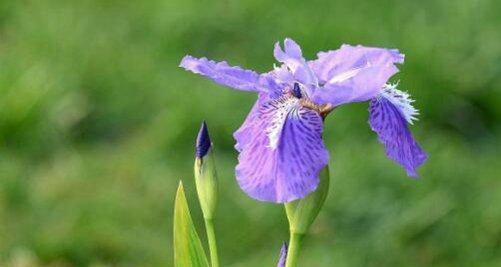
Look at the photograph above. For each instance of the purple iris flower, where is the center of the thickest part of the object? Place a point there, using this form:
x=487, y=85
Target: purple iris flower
x=280, y=142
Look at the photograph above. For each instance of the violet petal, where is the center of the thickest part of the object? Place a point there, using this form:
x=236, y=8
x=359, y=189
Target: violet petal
x=222, y=73
x=353, y=73
x=390, y=124
x=281, y=151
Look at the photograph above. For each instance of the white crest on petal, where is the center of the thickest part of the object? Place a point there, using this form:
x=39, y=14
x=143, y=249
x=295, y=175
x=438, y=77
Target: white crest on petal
x=401, y=100
x=282, y=108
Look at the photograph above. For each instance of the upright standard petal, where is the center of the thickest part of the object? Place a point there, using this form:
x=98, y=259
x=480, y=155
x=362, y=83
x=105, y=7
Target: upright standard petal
x=353, y=73
x=389, y=115
x=292, y=58
x=222, y=73
x=282, y=152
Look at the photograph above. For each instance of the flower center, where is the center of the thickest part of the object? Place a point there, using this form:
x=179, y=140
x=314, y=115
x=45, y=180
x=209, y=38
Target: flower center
x=296, y=91
x=323, y=110
x=305, y=101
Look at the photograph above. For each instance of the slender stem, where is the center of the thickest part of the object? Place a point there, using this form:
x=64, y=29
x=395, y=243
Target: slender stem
x=295, y=243
x=290, y=209
x=211, y=237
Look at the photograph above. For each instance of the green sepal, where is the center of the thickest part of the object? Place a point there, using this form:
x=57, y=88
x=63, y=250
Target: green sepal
x=206, y=183
x=301, y=213
x=188, y=250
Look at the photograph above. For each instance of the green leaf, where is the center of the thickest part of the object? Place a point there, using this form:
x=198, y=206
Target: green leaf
x=188, y=250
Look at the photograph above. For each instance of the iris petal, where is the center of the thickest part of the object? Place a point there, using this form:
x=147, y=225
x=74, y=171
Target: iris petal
x=293, y=59
x=248, y=129
x=281, y=151
x=390, y=124
x=353, y=73
x=222, y=73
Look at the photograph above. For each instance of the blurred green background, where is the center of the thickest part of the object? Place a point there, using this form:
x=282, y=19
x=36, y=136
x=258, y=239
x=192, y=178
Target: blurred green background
x=97, y=126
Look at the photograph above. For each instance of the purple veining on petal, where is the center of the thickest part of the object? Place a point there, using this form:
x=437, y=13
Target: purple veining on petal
x=283, y=255
x=222, y=73
x=353, y=73
x=393, y=132
x=203, y=141
x=290, y=170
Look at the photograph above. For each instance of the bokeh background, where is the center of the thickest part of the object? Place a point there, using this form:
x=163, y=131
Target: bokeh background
x=97, y=126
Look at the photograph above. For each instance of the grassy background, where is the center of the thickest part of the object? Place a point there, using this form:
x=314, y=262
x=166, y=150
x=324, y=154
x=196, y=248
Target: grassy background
x=97, y=125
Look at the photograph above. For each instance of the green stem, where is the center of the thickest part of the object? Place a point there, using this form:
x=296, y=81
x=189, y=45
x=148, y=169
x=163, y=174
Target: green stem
x=295, y=243
x=211, y=237
x=290, y=209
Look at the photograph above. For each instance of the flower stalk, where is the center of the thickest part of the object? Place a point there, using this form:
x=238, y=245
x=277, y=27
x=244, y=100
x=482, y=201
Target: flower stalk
x=211, y=238
x=206, y=184
x=302, y=213
x=295, y=243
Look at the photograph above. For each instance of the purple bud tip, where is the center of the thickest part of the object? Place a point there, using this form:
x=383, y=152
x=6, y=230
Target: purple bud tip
x=203, y=141
x=296, y=91
x=283, y=255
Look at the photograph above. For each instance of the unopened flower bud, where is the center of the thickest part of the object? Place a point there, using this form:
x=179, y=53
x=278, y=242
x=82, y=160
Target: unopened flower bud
x=301, y=213
x=205, y=173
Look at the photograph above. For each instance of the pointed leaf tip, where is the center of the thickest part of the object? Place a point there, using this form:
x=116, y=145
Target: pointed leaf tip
x=188, y=250
x=203, y=141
